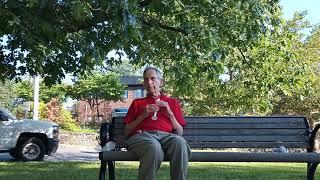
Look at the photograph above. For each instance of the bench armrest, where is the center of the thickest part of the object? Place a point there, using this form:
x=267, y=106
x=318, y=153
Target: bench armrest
x=105, y=134
x=313, y=137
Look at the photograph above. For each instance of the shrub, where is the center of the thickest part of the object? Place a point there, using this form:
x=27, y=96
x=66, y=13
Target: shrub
x=66, y=122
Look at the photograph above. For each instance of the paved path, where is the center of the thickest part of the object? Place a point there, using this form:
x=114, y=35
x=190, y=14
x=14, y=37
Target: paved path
x=66, y=153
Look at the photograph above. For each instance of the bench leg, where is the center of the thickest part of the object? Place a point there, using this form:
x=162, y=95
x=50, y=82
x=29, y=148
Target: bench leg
x=311, y=170
x=111, y=165
x=102, y=172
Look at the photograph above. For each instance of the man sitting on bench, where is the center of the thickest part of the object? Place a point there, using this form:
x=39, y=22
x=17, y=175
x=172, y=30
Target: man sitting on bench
x=150, y=123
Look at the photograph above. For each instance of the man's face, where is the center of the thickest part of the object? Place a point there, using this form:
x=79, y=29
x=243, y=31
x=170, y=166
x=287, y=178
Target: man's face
x=151, y=82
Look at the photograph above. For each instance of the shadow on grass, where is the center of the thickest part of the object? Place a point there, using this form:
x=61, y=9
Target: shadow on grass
x=128, y=171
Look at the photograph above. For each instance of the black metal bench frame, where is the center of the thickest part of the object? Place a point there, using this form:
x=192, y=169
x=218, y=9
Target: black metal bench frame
x=294, y=128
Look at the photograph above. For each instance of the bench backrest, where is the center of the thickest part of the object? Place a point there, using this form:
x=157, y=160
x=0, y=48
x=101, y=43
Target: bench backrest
x=236, y=131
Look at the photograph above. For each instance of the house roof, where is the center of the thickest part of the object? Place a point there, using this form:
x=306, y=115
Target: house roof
x=131, y=80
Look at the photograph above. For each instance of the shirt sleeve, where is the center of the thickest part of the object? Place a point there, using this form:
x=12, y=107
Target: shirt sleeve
x=178, y=113
x=132, y=113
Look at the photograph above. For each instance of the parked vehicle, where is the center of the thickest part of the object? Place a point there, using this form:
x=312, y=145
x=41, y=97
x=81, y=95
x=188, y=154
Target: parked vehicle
x=27, y=139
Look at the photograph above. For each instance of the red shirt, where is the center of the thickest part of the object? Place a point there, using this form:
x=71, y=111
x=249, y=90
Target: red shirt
x=163, y=122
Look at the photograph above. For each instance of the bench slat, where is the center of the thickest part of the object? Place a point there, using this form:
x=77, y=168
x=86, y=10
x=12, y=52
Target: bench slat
x=247, y=144
x=238, y=126
x=188, y=132
x=231, y=139
x=121, y=144
x=236, y=119
x=248, y=119
x=252, y=138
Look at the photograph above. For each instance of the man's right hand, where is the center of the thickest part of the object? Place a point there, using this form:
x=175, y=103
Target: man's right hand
x=150, y=108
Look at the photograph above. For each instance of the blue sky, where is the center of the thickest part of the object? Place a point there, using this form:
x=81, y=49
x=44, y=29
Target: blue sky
x=312, y=6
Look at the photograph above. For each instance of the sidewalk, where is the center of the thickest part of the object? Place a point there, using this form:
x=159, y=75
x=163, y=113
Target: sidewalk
x=74, y=153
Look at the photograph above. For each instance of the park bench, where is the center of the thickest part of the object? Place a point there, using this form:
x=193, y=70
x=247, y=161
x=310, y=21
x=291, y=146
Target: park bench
x=228, y=132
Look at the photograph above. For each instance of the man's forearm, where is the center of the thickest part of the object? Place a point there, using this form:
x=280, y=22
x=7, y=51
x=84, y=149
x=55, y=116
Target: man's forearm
x=132, y=125
x=173, y=119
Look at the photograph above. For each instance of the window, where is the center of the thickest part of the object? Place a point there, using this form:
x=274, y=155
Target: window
x=138, y=93
x=125, y=94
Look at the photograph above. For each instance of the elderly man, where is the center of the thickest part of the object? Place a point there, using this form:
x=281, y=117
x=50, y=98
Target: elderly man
x=154, y=127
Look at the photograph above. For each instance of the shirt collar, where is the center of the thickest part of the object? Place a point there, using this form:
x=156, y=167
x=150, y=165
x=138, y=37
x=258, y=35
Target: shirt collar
x=151, y=96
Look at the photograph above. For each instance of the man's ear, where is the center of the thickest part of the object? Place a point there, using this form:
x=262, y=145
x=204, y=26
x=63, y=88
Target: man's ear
x=161, y=82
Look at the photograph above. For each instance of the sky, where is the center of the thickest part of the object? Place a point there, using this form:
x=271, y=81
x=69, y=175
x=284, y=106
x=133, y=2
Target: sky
x=312, y=6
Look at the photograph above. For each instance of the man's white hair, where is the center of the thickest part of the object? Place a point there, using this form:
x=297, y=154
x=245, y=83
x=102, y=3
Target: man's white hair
x=159, y=73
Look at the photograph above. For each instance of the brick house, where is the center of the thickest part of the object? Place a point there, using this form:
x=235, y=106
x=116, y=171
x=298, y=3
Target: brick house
x=135, y=89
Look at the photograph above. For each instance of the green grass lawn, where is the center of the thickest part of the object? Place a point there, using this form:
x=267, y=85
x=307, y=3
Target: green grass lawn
x=128, y=171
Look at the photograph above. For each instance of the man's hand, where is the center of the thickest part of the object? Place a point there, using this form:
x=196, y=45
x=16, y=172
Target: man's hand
x=150, y=108
x=179, y=130
x=165, y=105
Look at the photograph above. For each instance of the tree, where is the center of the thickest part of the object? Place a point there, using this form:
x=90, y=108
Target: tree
x=47, y=93
x=97, y=89
x=243, y=81
x=7, y=94
x=52, y=38
x=305, y=100
x=125, y=69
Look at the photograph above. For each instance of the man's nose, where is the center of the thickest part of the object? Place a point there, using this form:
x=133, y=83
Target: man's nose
x=149, y=81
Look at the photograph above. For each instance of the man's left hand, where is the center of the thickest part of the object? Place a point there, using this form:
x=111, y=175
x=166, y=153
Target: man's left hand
x=164, y=104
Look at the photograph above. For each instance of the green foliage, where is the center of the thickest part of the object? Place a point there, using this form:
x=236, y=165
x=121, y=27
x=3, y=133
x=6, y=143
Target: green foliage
x=96, y=89
x=54, y=111
x=266, y=66
x=25, y=91
x=75, y=36
x=259, y=80
x=42, y=110
x=57, y=91
x=304, y=100
x=125, y=69
x=7, y=94
x=66, y=122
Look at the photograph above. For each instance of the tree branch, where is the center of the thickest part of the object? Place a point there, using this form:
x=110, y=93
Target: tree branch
x=157, y=24
x=244, y=57
x=145, y=3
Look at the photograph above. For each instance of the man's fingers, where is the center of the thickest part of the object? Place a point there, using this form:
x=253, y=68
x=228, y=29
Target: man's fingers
x=152, y=108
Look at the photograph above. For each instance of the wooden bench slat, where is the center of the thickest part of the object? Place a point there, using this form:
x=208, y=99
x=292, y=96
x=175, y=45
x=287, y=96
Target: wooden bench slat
x=248, y=119
x=233, y=119
x=252, y=138
x=237, y=126
x=239, y=121
x=237, y=138
x=121, y=144
x=247, y=144
x=188, y=132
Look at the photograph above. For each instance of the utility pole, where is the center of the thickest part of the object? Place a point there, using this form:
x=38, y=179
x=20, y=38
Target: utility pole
x=36, y=97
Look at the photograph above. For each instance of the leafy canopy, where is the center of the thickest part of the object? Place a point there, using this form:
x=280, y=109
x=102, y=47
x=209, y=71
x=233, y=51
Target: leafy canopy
x=52, y=38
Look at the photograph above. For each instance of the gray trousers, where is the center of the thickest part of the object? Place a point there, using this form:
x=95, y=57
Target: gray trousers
x=151, y=146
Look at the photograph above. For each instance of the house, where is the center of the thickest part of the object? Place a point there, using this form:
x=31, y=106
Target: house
x=134, y=90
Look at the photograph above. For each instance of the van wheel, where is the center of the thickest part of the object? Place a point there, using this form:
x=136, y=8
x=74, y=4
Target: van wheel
x=32, y=150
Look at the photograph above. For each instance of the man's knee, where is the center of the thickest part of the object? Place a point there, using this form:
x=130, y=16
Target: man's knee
x=179, y=145
x=179, y=141
x=154, y=149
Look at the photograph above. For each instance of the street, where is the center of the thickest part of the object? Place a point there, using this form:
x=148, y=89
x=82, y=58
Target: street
x=66, y=153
